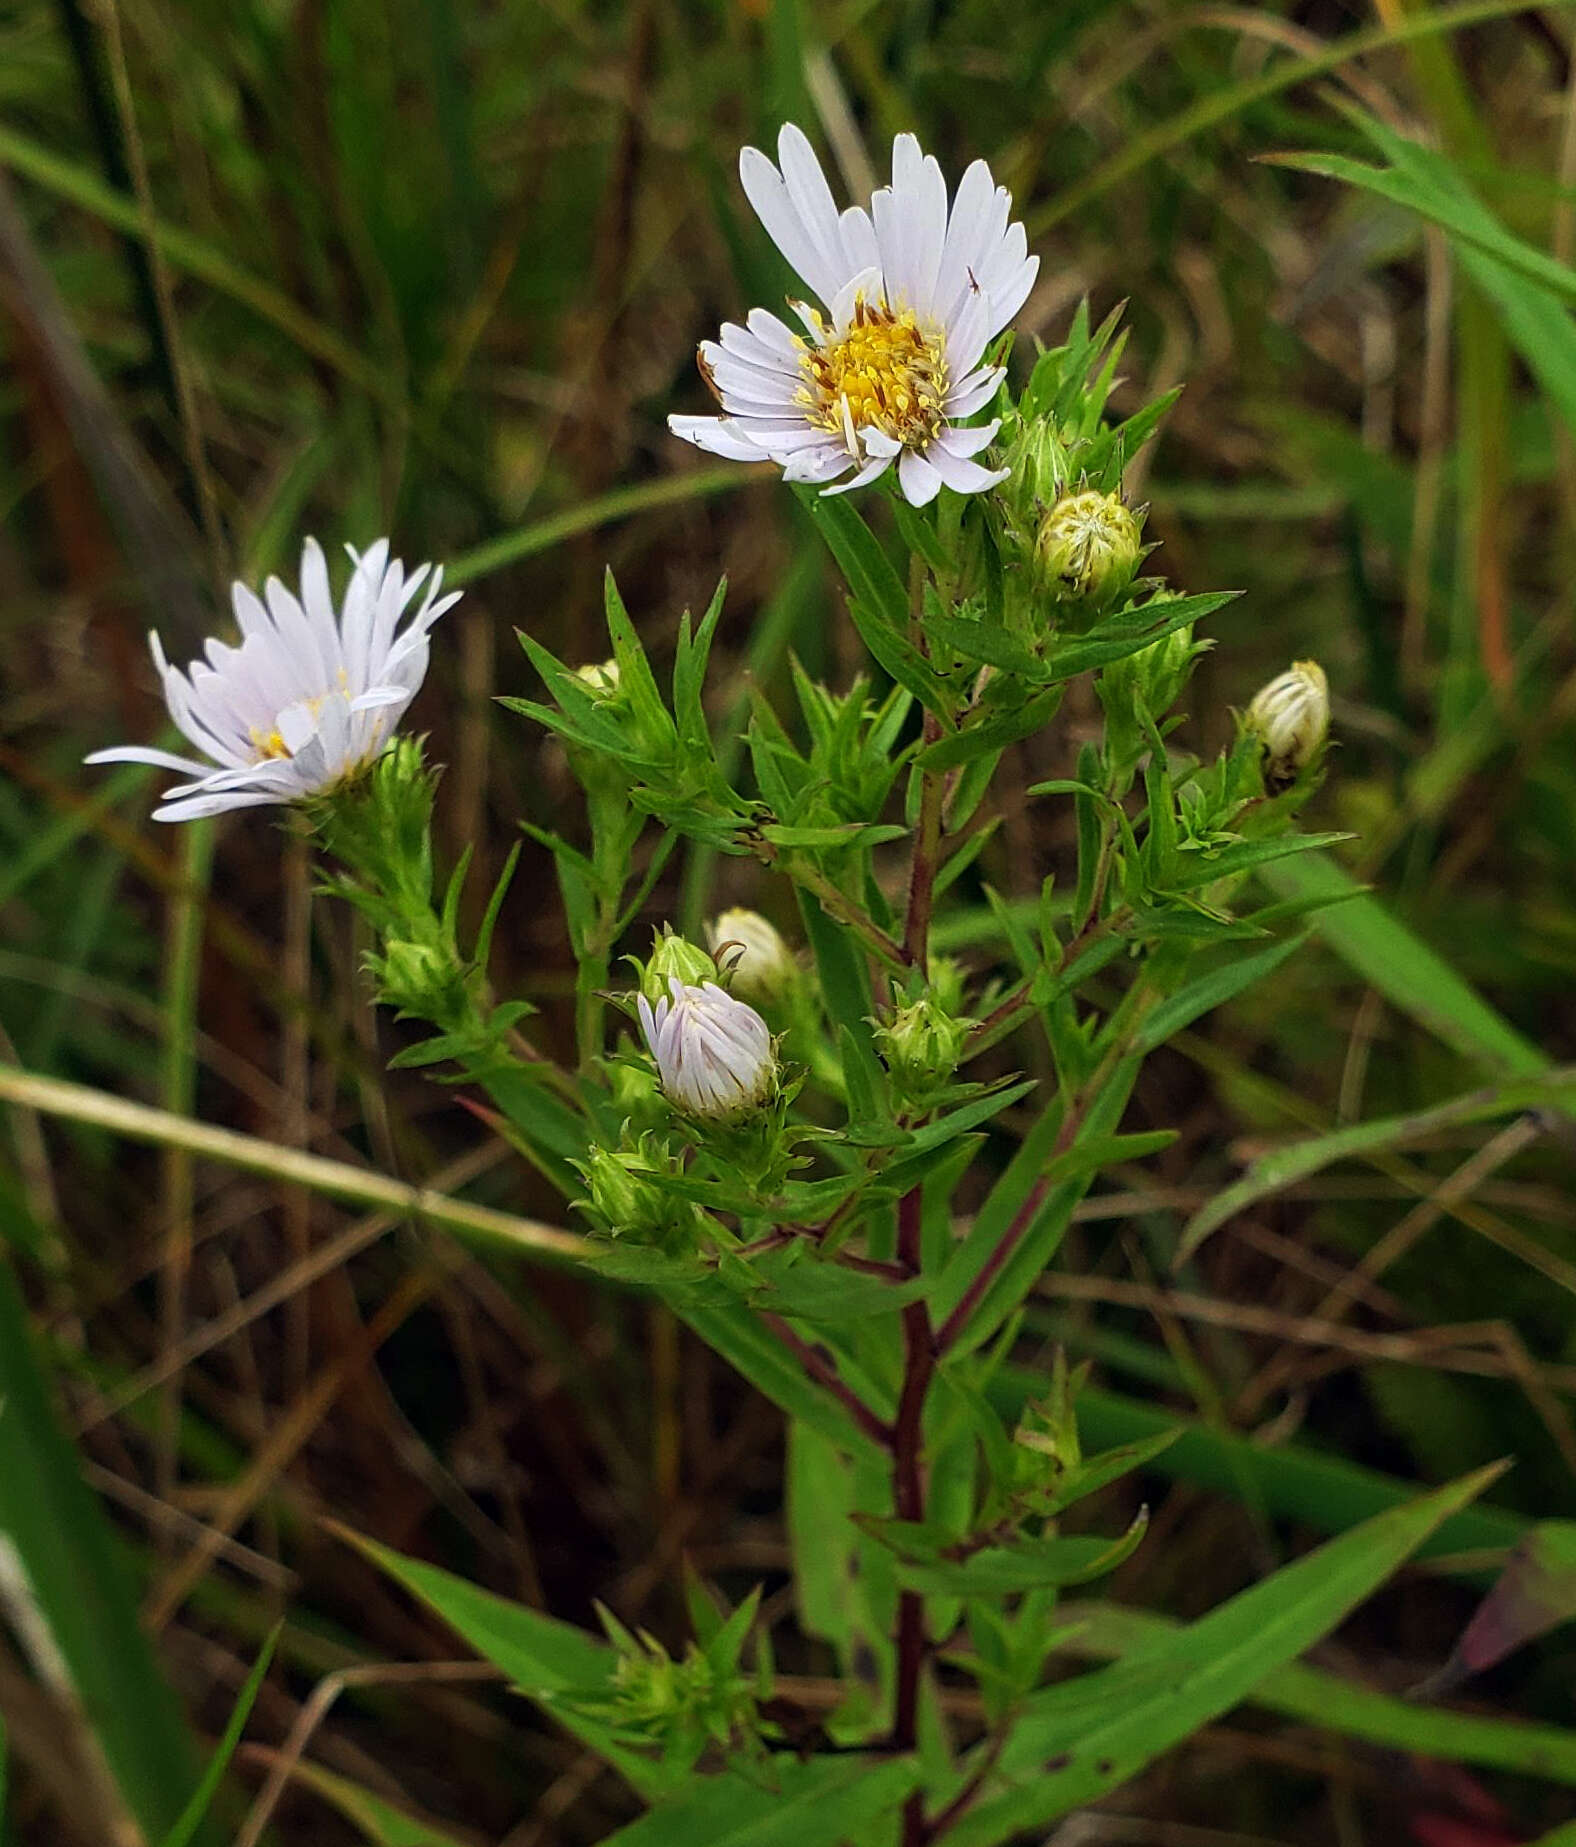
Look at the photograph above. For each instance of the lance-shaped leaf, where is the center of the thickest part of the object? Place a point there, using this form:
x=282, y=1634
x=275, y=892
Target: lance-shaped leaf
x=1080, y=1739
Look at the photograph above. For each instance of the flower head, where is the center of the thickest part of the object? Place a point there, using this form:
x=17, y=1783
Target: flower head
x=750, y=947
x=1291, y=718
x=308, y=697
x=713, y=1053
x=912, y=294
x=1088, y=547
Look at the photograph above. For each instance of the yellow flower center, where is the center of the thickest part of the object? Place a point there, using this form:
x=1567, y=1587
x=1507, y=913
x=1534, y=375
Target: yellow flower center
x=269, y=745
x=891, y=374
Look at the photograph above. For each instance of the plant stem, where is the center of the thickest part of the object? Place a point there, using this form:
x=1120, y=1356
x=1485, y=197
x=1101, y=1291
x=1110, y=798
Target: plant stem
x=927, y=853
x=821, y=1369
x=908, y=1499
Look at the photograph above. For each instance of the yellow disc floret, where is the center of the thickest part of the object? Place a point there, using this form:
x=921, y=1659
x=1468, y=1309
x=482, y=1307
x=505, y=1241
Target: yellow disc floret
x=887, y=371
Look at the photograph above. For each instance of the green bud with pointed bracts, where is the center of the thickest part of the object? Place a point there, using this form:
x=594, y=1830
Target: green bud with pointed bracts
x=1088, y=548
x=921, y=1045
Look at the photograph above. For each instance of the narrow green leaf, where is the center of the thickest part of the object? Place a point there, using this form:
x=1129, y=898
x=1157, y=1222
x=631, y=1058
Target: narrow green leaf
x=1080, y=1739
x=1325, y=1700
x=68, y=1567
x=1211, y=991
x=191, y=1819
x=747, y=1346
x=1389, y=957
x=1294, y=1482
x=1283, y=1166
x=821, y=1803
x=378, y=1820
x=541, y=1655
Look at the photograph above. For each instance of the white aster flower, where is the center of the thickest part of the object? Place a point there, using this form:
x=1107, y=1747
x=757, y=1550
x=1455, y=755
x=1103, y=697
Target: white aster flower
x=307, y=698
x=912, y=295
x=713, y=1054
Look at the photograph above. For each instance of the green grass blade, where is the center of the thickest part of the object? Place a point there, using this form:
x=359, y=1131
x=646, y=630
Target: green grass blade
x=194, y=257
x=1385, y=953
x=379, y=1821
x=185, y=1830
x=621, y=503
x=1283, y=1167
x=1220, y=105
x=78, y=1588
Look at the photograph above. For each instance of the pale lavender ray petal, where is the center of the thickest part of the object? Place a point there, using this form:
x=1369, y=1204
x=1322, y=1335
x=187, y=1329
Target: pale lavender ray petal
x=964, y=476
x=921, y=483
x=967, y=442
x=810, y=195
x=146, y=753
x=968, y=332
x=872, y=471
x=973, y=393
x=718, y=436
x=768, y=194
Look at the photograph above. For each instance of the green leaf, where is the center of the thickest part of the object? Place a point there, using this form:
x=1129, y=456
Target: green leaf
x=1211, y=991
x=821, y=1289
x=1077, y=1741
x=1389, y=957
x=821, y=1803
x=1283, y=1166
x=747, y=1346
x=992, y=734
x=1204, y=866
x=865, y=565
x=1133, y=632
x=1333, y=1704
x=540, y=1655
x=379, y=1820
x=65, y=1563
x=990, y=643
x=1040, y=1238
x=1294, y=1482
x=185, y=1830
x=844, y=1583
x=848, y=834
x=1004, y=1571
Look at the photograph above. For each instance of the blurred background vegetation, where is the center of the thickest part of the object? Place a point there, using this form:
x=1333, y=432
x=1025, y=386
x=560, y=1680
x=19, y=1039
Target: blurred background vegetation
x=278, y=266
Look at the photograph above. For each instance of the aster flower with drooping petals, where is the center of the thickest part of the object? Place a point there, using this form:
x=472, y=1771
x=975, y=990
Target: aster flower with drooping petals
x=307, y=698
x=913, y=293
x=714, y=1054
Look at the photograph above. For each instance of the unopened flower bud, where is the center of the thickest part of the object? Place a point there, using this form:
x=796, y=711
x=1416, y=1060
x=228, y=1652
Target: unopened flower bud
x=947, y=976
x=753, y=954
x=1088, y=547
x=674, y=957
x=921, y=1046
x=416, y=977
x=600, y=678
x=620, y=1192
x=1291, y=719
x=714, y=1054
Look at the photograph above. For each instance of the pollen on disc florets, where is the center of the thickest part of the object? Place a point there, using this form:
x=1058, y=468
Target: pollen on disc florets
x=884, y=371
